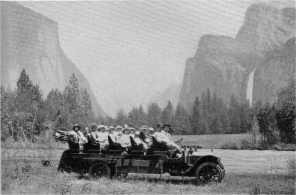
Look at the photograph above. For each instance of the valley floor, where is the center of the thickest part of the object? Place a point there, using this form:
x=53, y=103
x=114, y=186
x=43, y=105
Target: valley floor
x=31, y=178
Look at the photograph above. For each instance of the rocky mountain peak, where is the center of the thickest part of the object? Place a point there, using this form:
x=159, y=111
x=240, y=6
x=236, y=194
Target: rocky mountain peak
x=267, y=27
x=30, y=41
x=263, y=46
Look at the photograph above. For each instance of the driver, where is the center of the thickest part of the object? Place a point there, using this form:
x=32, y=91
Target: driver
x=163, y=138
x=166, y=131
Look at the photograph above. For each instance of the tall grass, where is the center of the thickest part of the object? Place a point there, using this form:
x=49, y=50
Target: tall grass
x=25, y=177
x=42, y=143
x=291, y=164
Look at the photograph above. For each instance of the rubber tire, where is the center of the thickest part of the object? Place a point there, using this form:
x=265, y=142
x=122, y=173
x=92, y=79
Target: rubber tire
x=200, y=167
x=92, y=169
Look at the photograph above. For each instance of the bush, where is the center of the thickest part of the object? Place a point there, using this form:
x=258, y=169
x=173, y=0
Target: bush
x=246, y=145
x=231, y=146
x=291, y=163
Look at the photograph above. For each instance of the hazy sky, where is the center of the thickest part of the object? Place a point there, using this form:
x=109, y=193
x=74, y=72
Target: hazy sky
x=128, y=50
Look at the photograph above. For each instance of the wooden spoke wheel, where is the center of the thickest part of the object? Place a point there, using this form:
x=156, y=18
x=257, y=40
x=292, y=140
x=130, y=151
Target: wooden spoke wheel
x=100, y=170
x=208, y=172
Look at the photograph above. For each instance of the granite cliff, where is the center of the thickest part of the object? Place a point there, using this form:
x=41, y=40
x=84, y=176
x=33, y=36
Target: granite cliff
x=223, y=64
x=30, y=41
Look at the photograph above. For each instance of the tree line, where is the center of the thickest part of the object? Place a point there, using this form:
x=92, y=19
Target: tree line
x=25, y=113
x=277, y=121
x=208, y=115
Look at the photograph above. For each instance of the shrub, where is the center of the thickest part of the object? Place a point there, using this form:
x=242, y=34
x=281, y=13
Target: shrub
x=232, y=146
x=291, y=163
x=246, y=145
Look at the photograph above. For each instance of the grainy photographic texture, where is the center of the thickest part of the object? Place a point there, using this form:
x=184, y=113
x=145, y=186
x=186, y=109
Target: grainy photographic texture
x=148, y=97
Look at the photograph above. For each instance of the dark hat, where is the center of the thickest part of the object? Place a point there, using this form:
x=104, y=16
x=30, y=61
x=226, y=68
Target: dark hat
x=126, y=129
x=76, y=125
x=93, y=125
x=159, y=125
x=166, y=125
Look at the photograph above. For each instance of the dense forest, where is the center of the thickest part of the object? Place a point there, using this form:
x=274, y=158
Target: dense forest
x=25, y=114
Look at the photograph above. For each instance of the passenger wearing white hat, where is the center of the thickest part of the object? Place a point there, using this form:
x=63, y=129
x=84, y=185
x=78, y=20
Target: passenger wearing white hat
x=117, y=131
x=150, y=131
x=125, y=140
x=101, y=137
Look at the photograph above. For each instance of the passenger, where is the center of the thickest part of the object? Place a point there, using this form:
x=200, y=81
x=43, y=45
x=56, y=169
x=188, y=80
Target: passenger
x=101, y=136
x=86, y=130
x=119, y=137
x=139, y=141
x=111, y=130
x=158, y=128
x=93, y=130
x=150, y=131
x=77, y=136
x=145, y=136
x=125, y=140
x=117, y=132
x=132, y=132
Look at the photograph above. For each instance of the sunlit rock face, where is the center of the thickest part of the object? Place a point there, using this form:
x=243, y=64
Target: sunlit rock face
x=30, y=41
x=267, y=28
x=223, y=64
x=275, y=72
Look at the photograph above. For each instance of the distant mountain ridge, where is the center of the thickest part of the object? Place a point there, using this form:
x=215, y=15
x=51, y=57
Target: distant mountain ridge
x=170, y=93
x=30, y=41
x=223, y=64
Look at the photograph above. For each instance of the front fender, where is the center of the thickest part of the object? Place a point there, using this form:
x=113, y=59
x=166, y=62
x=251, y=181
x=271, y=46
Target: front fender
x=203, y=159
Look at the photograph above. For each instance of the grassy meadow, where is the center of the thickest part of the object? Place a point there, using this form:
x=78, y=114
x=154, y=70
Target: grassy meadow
x=23, y=172
x=214, y=140
x=25, y=177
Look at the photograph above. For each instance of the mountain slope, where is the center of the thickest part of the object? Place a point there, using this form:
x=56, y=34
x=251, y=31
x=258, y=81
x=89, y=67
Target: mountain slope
x=30, y=41
x=223, y=64
x=171, y=93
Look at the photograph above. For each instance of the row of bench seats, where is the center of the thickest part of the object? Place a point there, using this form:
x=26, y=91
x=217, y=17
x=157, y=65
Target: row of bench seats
x=116, y=148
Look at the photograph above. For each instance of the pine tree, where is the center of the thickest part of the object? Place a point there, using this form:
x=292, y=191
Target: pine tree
x=121, y=117
x=28, y=103
x=196, y=118
x=133, y=117
x=223, y=116
x=142, y=117
x=154, y=114
x=72, y=100
x=182, y=123
x=86, y=107
x=23, y=93
x=233, y=114
x=286, y=113
x=168, y=114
